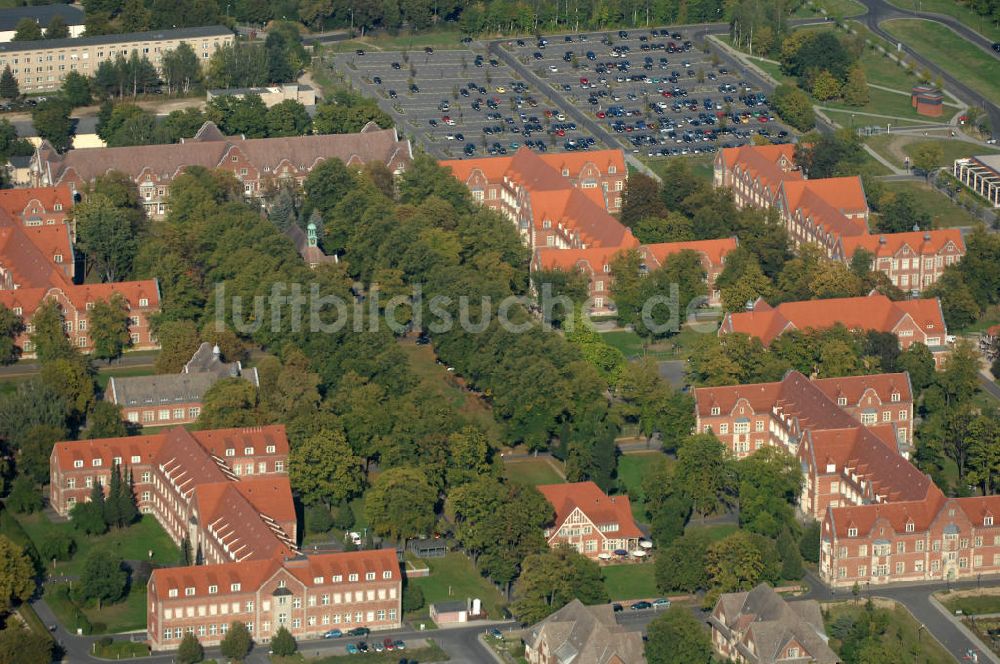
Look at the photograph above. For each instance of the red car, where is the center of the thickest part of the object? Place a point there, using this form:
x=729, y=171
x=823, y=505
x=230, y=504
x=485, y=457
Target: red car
x=667, y=93
x=584, y=81
x=761, y=118
x=389, y=644
x=560, y=132
x=601, y=114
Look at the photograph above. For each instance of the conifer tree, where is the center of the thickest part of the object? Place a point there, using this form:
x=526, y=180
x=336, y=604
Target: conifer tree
x=128, y=510
x=8, y=85
x=112, y=513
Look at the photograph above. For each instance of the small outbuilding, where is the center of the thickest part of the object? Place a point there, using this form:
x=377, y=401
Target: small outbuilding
x=928, y=100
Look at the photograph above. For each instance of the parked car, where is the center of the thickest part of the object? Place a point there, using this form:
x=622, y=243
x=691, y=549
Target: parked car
x=359, y=631
x=333, y=634
x=495, y=633
x=638, y=606
x=616, y=607
x=399, y=644
x=378, y=647
x=362, y=646
x=389, y=643
x=352, y=649
x=661, y=603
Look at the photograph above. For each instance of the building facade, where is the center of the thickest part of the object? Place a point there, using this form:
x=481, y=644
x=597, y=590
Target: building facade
x=307, y=595
x=578, y=634
x=589, y=520
x=260, y=164
x=981, y=175
x=760, y=627
x=912, y=261
x=38, y=264
x=40, y=66
x=172, y=399
x=910, y=320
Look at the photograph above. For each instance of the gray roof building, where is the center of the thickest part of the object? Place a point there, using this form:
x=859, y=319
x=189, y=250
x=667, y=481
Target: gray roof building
x=175, y=391
x=760, y=627
x=126, y=38
x=42, y=15
x=583, y=635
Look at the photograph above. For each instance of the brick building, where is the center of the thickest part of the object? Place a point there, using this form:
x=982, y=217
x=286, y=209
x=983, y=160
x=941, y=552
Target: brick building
x=581, y=634
x=308, y=595
x=831, y=213
x=912, y=261
x=40, y=66
x=596, y=264
x=760, y=627
x=38, y=206
x=910, y=320
x=172, y=399
x=226, y=492
x=589, y=520
x=37, y=263
x=927, y=100
x=260, y=164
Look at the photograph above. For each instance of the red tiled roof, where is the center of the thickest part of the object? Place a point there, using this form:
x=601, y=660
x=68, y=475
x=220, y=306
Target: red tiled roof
x=569, y=208
x=18, y=202
x=874, y=312
x=853, y=388
x=246, y=516
x=920, y=242
x=529, y=165
x=594, y=503
x=714, y=250
x=920, y=511
x=252, y=574
x=761, y=162
x=106, y=449
x=825, y=202
x=594, y=260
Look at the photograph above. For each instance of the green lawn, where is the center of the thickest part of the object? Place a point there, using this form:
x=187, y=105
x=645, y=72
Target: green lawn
x=700, y=165
x=944, y=213
x=125, y=616
x=715, y=532
x=122, y=650
x=632, y=581
x=436, y=379
x=842, y=8
x=895, y=147
x=973, y=605
x=633, y=346
x=961, y=59
x=959, y=10
x=844, y=119
x=881, y=102
x=632, y=470
x=132, y=543
x=453, y=577
x=901, y=633
x=882, y=70
x=533, y=471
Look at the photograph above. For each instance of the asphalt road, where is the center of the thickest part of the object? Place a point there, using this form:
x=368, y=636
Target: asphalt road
x=880, y=10
x=26, y=368
x=461, y=643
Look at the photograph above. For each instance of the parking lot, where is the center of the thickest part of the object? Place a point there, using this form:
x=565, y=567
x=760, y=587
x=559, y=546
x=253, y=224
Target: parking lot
x=653, y=93
x=461, y=102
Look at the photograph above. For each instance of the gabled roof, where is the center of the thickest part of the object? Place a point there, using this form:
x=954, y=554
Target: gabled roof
x=873, y=312
x=853, y=388
x=825, y=203
x=246, y=516
x=569, y=208
x=593, y=260
x=581, y=634
x=529, y=165
x=920, y=243
x=594, y=503
x=17, y=201
x=714, y=250
x=762, y=162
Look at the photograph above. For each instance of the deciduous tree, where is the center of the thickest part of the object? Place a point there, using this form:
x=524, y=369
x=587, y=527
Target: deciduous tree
x=103, y=578
x=677, y=637
x=324, y=470
x=552, y=579
x=109, y=331
x=401, y=503
x=17, y=575
x=190, y=650
x=237, y=642
x=27, y=29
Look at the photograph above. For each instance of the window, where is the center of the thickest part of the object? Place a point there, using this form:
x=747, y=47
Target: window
x=886, y=416
x=759, y=426
x=147, y=477
x=172, y=592
x=909, y=526
x=919, y=545
x=715, y=410
x=189, y=592
x=78, y=463
x=96, y=463
x=143, y=302
x=230, y=452
x=387, y=574
x=247, y=451
x=895, y=397
x=724, y=427
x=352, y=578
x=852, y=532
x=212, y=590
x=136, y=458
x=234, y=587
x=270, y=449
x=903, y=416
x=988, y=521
x=164, y=414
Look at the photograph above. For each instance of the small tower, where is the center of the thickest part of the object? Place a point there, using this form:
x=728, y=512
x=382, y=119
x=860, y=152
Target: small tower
x=311, y=232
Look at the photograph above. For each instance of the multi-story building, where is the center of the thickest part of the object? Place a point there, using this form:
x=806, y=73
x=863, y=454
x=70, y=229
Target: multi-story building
x=260, y=164
x=581, y=634
x=307, y=595
x=172, y=399
x=981, y=175
x=589, y=520
x=226, y=493
x=37, y=264
x=38, y=206
x=760, y=627
x=596, y=264
x=912, y=261
x=42, y=15
x=748, y=417
x=40, y=66
x=910, y=320
x=832, y=214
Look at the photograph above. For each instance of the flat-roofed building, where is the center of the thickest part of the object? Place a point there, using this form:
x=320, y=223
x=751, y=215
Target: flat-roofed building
x=72, y=16
x=40, y=66
x=981, y=175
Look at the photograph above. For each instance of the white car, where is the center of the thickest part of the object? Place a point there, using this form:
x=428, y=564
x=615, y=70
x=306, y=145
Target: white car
x=355, y=537
x=450, y=137
x=553, y=69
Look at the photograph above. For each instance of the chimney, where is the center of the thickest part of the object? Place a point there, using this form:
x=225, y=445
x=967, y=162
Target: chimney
x=216, y=352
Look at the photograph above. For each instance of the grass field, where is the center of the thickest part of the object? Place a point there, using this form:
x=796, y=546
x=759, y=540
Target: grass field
x=534, y=471
x=895, y=147
x=632, y=581
x=959, y=10
x=973, y=605
x=944, y=213
x=436, y=379
x=844, y=119
x=132, y=543
x=900, y=635
x=453, y=577
x=961, y=59
x=632, y=470
x=124, y=616
x=633, y=346
x=699, y=164
x=841, y=8
x=881, y=102
x=715, y=532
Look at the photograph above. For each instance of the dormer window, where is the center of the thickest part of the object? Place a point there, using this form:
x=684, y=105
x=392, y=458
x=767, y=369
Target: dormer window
x=96, y=463
x=612, y=170
x=230, y=451
x=213, y=590
x=143, y=302
x=90, y=306
x=895, y=397
x=57, y=258
x=716, y=410
x=387, y=574
x=852, y=532
x=247, y=451
x=565, y=172
x=987, y=520
x=172, y=592
x=317, y=580
x=234, y=587
x=189, y=592
x=78, y=463
x=17, y=311
x=909, y=526
x=841, y=401
x=270, y=449
x=607, y=269
x=370, y=576
x=57, y=207
x=352, y=578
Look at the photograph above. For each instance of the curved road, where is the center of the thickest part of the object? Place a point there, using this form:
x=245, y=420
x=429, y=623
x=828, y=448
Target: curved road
x=880, y=11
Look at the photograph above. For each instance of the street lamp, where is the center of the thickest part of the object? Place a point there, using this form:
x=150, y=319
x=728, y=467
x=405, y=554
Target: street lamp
x=919, y=630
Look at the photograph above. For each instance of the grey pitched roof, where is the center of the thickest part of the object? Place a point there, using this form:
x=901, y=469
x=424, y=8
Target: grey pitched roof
x=765, y=618
x=202, y=371
x=156, y=35
x=9, y=18
x=586, y=635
